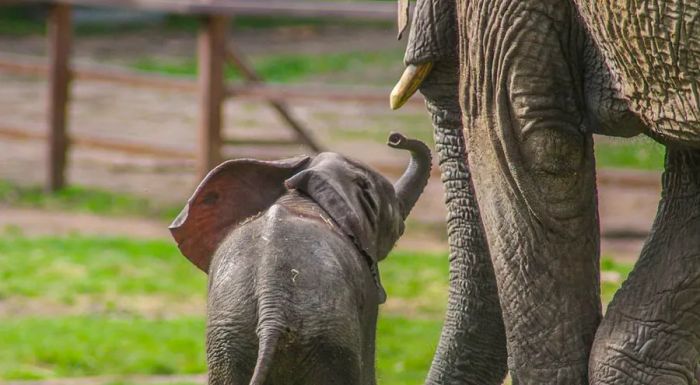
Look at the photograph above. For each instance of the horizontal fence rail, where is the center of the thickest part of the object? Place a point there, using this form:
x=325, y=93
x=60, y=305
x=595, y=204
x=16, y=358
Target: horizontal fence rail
x=32, y=66
x=210, y=86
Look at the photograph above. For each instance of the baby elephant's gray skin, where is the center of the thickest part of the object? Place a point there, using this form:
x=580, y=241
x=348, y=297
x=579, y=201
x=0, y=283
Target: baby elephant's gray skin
x=291, y=248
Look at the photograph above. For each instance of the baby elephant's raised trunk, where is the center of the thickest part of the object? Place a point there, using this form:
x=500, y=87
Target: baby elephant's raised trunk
x=411, y=184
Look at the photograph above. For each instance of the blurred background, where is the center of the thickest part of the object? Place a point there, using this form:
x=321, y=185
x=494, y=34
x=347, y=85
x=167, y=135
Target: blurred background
x=93, y=290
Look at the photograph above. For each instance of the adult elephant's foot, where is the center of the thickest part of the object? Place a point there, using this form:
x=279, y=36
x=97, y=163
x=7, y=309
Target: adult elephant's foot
x=651, y=332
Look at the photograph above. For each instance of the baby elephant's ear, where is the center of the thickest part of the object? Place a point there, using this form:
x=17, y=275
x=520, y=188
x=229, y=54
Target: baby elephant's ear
x=346, y=194
x=232, y=192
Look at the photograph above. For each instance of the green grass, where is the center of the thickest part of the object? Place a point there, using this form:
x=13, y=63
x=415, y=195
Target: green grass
x=280, y=68
x=103, y=342
x=16, y=21
x=36, y=348
x=66, y=268
x=418, y=281
x=637, y=153
x=608, y=264
x=405, y=349
x=117, y=343
x=83, y=199
x=87, y=346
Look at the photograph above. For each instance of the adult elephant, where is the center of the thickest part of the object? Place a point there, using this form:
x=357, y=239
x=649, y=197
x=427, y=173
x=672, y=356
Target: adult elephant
x=533, y=84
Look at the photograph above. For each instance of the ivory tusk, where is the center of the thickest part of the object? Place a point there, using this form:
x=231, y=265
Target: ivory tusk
x=411, y=79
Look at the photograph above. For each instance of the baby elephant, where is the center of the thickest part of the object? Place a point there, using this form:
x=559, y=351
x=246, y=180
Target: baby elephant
x=291, y=248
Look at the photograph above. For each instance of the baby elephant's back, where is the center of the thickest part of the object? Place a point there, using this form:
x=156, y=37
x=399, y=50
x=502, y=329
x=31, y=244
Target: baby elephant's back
x=293, y=272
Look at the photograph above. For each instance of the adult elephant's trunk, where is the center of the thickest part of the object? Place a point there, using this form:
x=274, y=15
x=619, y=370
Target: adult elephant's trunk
x=413, y=181
x=472, y=347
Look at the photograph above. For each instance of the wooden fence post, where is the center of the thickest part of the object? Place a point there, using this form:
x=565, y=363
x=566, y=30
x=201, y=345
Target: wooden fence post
x=211, y=55
x=59, y=46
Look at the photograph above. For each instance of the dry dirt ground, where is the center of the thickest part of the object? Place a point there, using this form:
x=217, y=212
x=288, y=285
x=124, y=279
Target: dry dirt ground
x=168, y=120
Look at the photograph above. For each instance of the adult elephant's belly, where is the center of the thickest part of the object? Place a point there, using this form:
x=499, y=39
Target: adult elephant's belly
x=654, y=47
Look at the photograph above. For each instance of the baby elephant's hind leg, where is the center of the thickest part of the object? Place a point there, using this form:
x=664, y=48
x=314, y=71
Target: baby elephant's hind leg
x=229, y=363
x=334, y=365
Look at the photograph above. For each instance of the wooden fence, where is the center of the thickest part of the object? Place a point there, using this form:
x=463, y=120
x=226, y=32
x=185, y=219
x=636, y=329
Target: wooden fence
x=213, y=53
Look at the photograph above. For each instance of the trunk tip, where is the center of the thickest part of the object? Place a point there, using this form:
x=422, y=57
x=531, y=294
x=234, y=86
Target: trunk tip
x=396, y=140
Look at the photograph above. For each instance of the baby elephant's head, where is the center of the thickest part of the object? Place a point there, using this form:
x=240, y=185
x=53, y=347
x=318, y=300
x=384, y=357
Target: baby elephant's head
x=364, y=204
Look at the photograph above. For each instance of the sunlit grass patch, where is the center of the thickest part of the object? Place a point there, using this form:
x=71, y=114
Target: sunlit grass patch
x=613, y=273
x=405, y=349
x=36, y=348
x=92, y=343
x=416, y=283
x=66, y=268
x=83, y=199
x=104, y=343
x=88, y=346
x=640, y=153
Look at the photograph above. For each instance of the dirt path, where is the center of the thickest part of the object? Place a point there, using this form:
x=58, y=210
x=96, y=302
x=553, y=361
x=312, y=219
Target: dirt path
x=32, y=222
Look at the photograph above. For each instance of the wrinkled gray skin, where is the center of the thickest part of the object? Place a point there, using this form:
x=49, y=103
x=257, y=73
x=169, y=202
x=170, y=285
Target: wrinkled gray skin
x=308, y=305
x=293, y=294
x=533, y=88
x=472, y=347
x=651, y=331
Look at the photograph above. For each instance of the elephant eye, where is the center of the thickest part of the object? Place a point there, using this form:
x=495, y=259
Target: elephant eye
x=362, y=183
x=367, y=197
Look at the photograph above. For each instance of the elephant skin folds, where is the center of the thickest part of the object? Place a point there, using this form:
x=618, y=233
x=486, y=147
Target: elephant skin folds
x=653, y=47
x=651, y=331
x=533, y=168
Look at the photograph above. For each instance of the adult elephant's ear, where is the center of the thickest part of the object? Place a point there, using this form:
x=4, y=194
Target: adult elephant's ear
x=231, y=193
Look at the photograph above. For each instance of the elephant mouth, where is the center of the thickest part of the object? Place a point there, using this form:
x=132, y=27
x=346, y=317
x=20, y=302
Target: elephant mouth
x=411, y=79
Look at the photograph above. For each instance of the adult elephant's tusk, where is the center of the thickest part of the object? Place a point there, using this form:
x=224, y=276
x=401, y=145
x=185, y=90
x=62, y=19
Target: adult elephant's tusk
x=411, y=79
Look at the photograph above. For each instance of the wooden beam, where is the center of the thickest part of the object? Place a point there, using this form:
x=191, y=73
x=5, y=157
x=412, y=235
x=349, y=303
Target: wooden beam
x=238, y=61
x=32, y=66
x=329, y=93
x=210, y=56
x=59, y=46
x=100, y=144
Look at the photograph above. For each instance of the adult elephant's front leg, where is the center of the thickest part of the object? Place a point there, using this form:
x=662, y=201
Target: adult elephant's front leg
x=651, y=331
x=532, y=162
